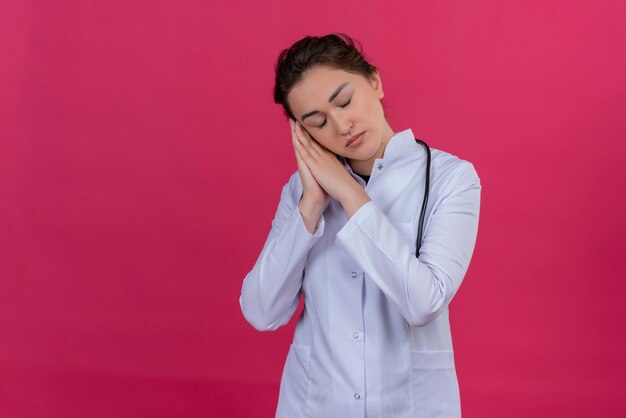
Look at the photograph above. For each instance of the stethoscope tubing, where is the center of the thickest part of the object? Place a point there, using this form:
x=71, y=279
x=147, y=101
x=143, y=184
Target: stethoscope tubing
x=420, y=227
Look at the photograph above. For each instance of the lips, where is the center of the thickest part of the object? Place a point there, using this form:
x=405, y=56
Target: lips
x=354, y=138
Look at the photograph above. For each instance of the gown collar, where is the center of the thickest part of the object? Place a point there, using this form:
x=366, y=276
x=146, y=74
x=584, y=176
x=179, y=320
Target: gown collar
x=399, y=144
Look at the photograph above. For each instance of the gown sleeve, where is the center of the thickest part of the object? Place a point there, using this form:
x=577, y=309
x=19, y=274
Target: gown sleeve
x=271, y=290
x=420, y=288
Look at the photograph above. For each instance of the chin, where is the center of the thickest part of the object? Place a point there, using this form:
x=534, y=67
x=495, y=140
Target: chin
x=368, y=153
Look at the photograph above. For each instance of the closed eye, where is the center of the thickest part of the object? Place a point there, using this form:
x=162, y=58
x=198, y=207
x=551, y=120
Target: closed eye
x=341, y=106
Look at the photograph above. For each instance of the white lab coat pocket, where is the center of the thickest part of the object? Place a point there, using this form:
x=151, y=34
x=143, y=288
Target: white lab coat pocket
x=294, y=386
x=435, y=385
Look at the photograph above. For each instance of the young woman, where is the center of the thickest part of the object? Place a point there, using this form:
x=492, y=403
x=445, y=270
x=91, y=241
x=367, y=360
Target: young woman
x=374, y=337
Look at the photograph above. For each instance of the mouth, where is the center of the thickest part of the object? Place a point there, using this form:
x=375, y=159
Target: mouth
x=355, y=139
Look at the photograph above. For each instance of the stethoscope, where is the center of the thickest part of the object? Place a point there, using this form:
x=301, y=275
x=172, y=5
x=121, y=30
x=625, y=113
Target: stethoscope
x=420, y=227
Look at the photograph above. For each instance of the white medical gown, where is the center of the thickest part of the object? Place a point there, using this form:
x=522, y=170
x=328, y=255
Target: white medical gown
x=374, y=337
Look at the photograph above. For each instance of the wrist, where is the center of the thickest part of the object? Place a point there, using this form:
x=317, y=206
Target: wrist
x=310, y=212
x=353, y=200
x=311, y=205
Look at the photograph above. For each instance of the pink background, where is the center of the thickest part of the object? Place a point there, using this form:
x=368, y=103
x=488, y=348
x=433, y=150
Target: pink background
x=142, y=158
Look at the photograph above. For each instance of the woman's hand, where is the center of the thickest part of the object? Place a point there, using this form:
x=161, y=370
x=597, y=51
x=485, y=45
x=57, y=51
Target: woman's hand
x=312, y=192
x=323, y=166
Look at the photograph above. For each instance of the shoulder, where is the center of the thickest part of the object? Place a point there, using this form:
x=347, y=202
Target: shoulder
x=451, y=168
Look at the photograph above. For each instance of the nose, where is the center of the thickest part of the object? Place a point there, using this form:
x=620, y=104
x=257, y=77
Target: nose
x=344, y=125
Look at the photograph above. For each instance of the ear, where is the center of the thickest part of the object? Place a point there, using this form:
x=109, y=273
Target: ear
x=377, y=84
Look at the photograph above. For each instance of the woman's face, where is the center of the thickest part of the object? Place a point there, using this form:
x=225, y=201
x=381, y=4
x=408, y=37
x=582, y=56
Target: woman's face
x=334, y=106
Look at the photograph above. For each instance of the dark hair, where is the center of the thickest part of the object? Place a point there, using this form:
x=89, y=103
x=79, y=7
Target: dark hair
x=335, y=50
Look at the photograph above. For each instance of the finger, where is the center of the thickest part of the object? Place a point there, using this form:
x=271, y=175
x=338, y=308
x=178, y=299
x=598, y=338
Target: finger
x=308, y=160
x=299, y=160
x=302, y=165
x=308, y=142
x=292, y=124
x=301, y=151
x=303, y=141
x=296, y=146
x=314, y=147
x=294, y=134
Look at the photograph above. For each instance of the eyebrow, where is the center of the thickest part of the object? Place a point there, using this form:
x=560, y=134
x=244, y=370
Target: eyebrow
x=330, y=99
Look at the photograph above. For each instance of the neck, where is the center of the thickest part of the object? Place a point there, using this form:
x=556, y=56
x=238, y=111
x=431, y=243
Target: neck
x=365, y=167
